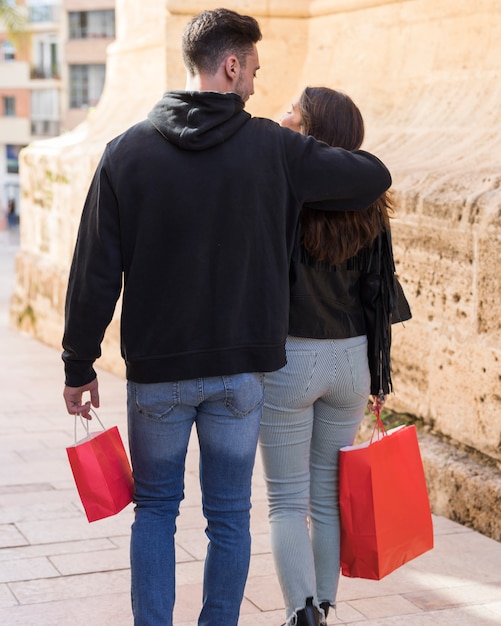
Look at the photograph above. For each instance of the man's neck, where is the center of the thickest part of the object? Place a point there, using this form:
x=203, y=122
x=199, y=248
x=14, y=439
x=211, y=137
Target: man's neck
x=204, y=82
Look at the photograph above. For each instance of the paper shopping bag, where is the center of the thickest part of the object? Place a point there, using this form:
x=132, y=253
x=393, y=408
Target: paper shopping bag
x=102, y=473
x=384, y=506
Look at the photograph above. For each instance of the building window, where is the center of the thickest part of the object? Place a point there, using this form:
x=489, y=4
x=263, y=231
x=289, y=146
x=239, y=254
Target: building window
x=43, y=13
x=86, y=85
x=92, y=24
x=45, y=112
x=45, y=128
x=9, y=106
x=13, y=159
x=45, y=58
x=10, y=194
x=8, y=51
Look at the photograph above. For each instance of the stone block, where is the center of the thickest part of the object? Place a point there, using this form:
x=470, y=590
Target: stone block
x=437, y=271
x=489, y=287
x=464, y=488
x=463, y=404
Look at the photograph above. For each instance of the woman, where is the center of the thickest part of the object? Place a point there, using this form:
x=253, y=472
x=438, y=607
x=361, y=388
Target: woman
x=343, y=290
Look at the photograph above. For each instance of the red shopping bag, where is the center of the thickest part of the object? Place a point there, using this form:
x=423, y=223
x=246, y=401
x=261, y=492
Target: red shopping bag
x=384, y=506
x=102, y=472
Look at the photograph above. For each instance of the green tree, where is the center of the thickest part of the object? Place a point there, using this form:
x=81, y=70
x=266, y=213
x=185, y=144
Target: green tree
x=12, y=16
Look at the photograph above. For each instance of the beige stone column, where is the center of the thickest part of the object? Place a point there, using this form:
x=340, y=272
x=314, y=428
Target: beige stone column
x=55, y=174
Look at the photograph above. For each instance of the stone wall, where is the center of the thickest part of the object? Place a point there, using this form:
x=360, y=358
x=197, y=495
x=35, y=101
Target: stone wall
x=426, y=76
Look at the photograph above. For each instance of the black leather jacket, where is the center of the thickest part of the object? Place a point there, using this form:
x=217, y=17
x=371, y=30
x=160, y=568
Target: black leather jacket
x=359, y=297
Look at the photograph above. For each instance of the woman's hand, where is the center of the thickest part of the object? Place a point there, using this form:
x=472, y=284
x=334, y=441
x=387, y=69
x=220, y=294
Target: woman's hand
x=376, y=403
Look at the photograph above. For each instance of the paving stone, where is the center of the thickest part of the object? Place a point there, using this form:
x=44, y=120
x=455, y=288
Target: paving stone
x=471, y=616
x=8, y=456
x=189, y=573
x=386, y=606
x=188, y=603
x=261, y=565
x=6, y=599
x=106, y=610
x=345, y=613
x=264, y=592
x=191, y=516
x=10, y=536
x=26, y=569
x=271, y=618
x=193, y=541
x=494, y=608
x=54, y=549
x=56, y=496
x=260, y=543
x=68, y=587
x=38, y=511
x=470, y=557
x=22, y=473
x=92, y=561
x=46, y=531
x=182, y=556
x=456, y=596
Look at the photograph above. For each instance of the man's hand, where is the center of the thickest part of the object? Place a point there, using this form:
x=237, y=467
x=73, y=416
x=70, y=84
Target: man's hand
x=73, y=398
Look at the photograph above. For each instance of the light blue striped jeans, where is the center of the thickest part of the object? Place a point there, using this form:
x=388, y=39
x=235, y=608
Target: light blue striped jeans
x=313, y=407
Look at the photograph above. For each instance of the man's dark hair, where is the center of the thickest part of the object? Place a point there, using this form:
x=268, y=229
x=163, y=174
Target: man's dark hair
x=212, y=35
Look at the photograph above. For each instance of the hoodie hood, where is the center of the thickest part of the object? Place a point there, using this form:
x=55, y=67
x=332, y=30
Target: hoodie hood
x=197, y=120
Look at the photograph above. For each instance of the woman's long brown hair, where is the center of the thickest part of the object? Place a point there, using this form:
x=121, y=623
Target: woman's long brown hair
x=335, y=236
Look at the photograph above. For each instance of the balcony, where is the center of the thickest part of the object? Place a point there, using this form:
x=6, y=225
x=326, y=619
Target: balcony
x=43, y=14
x=37, y=72
x=14, y=75
x=15, y=130
x=45, y=128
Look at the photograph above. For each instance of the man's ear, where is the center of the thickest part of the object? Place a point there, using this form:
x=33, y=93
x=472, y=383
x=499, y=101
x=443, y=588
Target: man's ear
x=232, y=68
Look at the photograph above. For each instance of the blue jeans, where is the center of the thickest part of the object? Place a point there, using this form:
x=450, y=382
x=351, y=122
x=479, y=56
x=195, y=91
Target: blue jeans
x=226, y=411
x=313, y=407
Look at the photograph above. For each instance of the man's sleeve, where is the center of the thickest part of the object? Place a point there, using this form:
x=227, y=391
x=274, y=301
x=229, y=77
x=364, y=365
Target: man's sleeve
x=95, y=280
x=333, y=178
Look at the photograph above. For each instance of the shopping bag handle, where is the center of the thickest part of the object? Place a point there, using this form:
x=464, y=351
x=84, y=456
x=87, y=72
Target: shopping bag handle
x=378, y=426
x=85, y=423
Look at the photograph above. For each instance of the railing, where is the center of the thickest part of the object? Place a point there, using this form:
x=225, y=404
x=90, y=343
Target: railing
x=45, y=128
x=42, y=72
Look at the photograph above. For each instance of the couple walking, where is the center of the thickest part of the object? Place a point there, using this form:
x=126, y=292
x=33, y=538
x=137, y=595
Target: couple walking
x=257, y=281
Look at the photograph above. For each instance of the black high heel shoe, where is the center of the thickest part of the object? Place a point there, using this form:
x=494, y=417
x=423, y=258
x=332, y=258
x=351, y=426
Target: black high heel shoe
x=325, y=606
x=309, y=616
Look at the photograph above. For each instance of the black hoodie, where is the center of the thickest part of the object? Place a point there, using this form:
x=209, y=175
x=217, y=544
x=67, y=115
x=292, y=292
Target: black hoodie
x=194, y=211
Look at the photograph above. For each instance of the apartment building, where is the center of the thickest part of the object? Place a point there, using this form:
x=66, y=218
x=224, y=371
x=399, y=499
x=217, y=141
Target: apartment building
x=87, y=30
x=50, y=76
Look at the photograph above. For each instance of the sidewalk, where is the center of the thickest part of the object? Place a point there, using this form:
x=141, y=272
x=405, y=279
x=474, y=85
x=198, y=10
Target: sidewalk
x=56, y=569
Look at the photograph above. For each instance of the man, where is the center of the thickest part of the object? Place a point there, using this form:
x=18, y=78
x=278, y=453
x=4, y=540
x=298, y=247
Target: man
x=196, y=209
